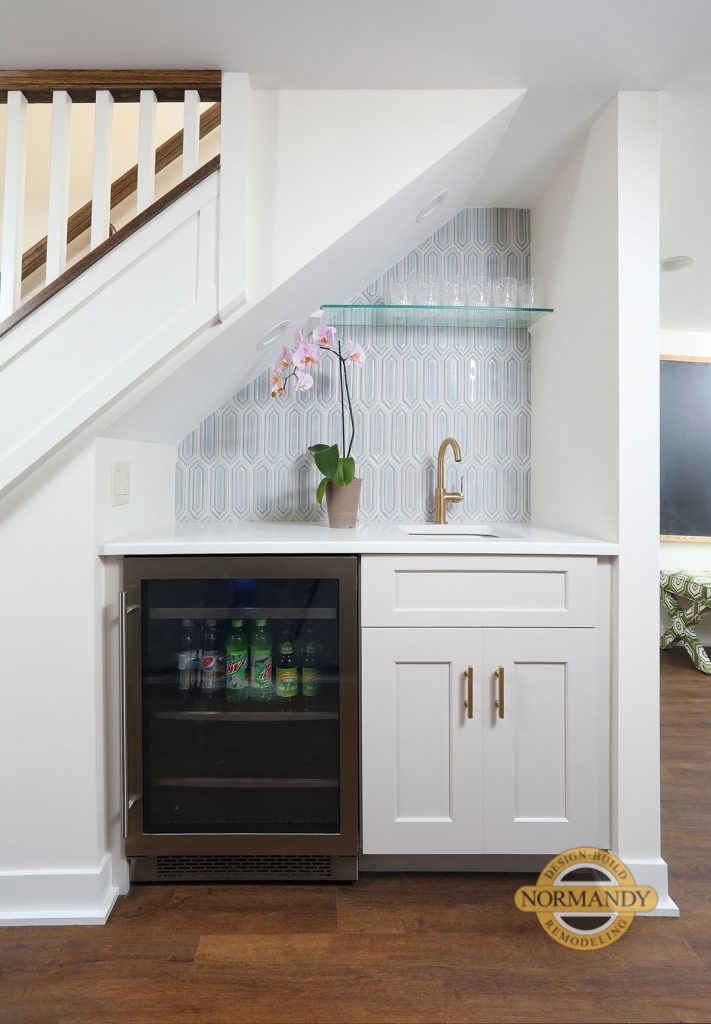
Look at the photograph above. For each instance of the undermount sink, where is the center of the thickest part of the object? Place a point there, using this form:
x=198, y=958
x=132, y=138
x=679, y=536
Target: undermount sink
x=456, y=531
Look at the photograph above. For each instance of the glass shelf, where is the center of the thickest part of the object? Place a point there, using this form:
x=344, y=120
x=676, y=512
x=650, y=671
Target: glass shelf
x=506, y=317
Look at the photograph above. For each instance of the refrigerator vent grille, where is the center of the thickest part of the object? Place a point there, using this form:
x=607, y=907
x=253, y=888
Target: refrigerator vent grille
x=242, y=866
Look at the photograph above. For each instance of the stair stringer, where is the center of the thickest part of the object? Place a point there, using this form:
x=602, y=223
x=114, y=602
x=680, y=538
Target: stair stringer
x=58, y=371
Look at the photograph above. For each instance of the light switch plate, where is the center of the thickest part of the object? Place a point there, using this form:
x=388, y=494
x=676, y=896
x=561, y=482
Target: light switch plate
x=120, y=480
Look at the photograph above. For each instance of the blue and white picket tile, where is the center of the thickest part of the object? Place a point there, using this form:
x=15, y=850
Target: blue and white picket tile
x=248, y=460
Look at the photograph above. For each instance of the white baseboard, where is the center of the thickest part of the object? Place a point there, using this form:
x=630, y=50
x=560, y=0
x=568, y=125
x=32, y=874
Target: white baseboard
x=62, y=897
x=654, y=873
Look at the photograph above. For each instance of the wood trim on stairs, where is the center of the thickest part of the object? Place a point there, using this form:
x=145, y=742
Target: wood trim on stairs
x=124, y=86
x=96, y=254
x=121, y=189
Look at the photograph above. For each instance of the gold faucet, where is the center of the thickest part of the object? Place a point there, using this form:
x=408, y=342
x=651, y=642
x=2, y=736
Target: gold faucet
x=442, y=496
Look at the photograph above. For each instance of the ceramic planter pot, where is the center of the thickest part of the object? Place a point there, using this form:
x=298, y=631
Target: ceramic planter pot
x=342, y=504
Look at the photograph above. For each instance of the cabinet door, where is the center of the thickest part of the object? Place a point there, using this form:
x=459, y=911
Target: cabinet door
x=422, y=754
x=546, y=774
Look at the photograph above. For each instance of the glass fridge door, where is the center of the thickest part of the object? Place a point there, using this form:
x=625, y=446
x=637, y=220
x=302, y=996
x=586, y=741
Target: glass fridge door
x=241, y=705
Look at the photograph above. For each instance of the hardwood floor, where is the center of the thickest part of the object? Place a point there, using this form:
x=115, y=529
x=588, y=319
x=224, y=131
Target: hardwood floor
x=399, y=948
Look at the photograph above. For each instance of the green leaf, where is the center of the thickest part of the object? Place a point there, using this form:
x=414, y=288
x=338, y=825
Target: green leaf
x=321, y=490
x=327, y=461
x=338, y=478
x=313, y=448
x=349, y=469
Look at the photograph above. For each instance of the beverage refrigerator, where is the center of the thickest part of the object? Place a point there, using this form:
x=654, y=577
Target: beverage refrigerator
x=226, y=773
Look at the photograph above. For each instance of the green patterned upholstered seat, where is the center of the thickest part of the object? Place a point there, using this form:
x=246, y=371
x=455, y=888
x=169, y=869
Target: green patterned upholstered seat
x=696, y=588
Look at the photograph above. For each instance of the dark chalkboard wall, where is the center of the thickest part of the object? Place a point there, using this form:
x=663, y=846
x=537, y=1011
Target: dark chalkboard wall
x=686, y=448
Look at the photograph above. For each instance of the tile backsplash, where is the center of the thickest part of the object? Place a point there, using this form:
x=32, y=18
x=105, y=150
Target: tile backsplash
x=248, y=459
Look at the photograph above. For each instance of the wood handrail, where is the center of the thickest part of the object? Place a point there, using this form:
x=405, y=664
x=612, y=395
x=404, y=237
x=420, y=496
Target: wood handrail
x=121, y=189
x=124, y=86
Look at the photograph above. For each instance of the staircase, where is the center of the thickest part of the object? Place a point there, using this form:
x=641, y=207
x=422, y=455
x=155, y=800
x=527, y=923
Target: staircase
x=132, y=316
x=139, y=259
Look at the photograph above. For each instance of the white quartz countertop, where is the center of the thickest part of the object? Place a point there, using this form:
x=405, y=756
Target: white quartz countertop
x=251, y=538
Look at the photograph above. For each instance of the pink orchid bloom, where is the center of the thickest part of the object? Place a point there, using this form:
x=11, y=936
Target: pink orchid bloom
x=355, y=353
x=325, y=337
x=305, y=355
x=278, y=388
x=304, y=381
x=284, y=361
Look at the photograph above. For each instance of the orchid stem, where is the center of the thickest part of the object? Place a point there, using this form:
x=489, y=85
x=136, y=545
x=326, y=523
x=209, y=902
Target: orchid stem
x=341, y=375
x=350, y=410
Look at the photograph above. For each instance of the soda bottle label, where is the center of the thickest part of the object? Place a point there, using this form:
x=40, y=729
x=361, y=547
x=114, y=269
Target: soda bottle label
x=287, y=682
x=310, y=681
x=184, y=670
x=209, y=681
x=236, y=669
x=262, y=669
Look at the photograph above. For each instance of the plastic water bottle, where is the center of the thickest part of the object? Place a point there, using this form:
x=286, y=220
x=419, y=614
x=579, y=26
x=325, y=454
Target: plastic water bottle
x=236, y=656
x=261, y=686
x=187, y=659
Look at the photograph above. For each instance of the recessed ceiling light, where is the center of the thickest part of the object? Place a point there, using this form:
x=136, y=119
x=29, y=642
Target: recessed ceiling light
x=675, y=263
x=271, y=336
x=431, y=206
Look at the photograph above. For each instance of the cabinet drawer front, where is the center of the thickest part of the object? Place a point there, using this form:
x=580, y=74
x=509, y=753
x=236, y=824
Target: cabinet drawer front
x=478, y=590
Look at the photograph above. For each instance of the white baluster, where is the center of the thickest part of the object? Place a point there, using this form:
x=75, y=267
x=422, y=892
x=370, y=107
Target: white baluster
x=13, y=204
x=191, y=132
x=58, y=185
x=234, y=142
x=146, y=188
x=101, y=185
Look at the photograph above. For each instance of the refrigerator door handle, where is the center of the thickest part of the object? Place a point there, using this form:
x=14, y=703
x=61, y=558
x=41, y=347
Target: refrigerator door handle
x=124, y=611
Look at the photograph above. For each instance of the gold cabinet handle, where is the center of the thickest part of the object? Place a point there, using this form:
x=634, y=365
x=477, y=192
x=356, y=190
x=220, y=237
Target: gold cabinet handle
x=499, y=702
x=469, y=702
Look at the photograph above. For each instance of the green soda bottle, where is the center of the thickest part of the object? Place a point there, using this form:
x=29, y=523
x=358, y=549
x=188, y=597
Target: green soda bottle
x=287, y=674
x=311, y=673
x=236, y=651
x=260, y=683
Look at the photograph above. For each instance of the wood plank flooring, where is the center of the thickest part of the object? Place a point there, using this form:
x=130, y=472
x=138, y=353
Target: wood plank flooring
x=397, y=948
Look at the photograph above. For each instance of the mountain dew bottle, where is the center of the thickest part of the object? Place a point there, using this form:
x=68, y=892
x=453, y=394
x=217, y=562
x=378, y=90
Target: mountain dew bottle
x=260, y=683
x=236, y=651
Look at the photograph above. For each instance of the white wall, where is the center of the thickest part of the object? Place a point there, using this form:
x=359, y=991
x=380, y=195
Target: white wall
x=151, y=503
x=574, y=354
x=55, y=865
x=337, y=155
x=595, y=422
x=52, y=855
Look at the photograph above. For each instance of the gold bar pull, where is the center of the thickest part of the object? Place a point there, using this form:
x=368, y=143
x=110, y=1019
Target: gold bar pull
x=499, y=702
x=469, y=702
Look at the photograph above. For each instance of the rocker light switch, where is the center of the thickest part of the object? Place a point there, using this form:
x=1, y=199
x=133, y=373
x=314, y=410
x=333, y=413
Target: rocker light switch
x=120, y=477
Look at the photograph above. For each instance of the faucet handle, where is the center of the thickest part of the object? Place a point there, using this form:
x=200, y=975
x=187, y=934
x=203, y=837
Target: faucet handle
x=461, y=485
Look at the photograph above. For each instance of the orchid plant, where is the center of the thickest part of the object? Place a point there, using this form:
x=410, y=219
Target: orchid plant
x=296, y=364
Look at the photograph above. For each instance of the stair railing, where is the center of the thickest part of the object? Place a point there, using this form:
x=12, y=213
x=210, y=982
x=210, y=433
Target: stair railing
x=102, y=89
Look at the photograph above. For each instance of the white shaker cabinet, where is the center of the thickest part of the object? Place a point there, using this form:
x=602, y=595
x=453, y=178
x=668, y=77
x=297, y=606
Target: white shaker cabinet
x=437, y=781
x=421, y=756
